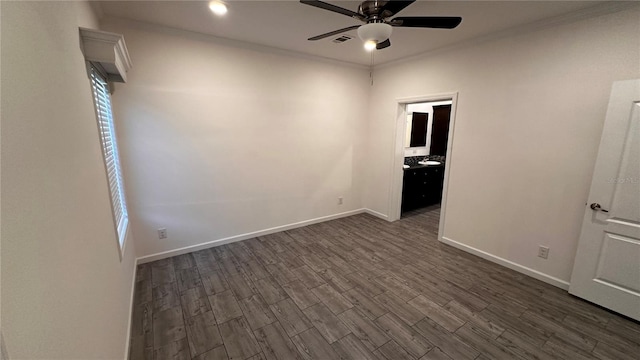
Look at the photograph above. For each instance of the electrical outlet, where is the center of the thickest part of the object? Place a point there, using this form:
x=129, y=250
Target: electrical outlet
x=340, y=200
x=162, y=233
x=543, y=252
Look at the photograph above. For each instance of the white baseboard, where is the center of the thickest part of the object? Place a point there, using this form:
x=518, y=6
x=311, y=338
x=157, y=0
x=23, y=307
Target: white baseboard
x=133, y=289
x=232, y=239
x=227, y=240
x=508, y=264
x=377, y=214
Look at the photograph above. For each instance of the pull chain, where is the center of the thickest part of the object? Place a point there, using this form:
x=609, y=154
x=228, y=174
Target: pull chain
x=371, y=68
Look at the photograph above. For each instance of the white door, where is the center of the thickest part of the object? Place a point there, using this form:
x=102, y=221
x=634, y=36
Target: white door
x=607, y=265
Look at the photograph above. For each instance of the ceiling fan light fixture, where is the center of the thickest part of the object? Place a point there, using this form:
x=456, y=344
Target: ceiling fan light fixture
x=380, y=18
x=370, y=45
x=376, y=32
x=218, y=7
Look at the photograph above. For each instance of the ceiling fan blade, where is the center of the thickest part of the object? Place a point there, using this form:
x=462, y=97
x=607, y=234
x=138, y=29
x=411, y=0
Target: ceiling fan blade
x=395, y=6
x=382, y=45
x=334, y=8
x=437, y=22
x=336, y=32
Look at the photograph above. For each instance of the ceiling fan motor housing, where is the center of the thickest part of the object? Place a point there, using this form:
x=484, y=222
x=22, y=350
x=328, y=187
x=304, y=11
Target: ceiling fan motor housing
x=373, y=10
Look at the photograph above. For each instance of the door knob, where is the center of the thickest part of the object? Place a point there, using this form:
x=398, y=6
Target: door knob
x=597, y=207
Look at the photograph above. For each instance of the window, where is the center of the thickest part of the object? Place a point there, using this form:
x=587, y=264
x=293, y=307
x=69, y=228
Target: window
x=102, y=101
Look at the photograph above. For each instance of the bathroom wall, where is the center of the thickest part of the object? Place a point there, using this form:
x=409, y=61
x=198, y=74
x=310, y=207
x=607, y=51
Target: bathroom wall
x=426, y=107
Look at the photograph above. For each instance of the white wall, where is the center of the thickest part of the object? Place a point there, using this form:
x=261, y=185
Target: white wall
x=529, y=117
x=65, y=292
x=218, y=139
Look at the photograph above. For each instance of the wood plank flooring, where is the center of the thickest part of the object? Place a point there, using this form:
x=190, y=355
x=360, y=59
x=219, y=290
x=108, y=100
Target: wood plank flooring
x=361, y=288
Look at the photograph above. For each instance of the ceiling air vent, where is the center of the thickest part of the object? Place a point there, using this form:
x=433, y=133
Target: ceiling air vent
x=342, y=39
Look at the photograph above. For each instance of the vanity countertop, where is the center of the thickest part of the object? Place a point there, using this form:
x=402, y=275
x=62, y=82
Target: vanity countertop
x=420, y=166
x=413, y=161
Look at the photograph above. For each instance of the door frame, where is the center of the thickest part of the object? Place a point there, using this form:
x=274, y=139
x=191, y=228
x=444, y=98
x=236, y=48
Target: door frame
x=395, y=198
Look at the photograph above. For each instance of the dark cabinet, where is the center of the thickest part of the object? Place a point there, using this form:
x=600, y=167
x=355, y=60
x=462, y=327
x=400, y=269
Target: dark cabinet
x=422, y=186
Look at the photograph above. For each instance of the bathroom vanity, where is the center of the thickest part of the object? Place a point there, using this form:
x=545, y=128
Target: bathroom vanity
x=422, y=186
x=426, y=141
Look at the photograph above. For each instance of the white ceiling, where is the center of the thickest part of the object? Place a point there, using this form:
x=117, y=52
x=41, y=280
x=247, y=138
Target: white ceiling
x=287, y=24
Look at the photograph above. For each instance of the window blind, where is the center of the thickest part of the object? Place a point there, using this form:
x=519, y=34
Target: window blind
x=102, y=100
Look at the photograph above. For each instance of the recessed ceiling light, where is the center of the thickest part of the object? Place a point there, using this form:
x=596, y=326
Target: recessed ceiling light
x=370, y=45
x=218, y=8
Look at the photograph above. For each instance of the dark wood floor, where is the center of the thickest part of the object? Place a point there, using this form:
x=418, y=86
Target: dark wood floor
x=361, y=288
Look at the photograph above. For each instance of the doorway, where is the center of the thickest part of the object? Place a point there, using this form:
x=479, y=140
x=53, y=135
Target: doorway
x=429, y=158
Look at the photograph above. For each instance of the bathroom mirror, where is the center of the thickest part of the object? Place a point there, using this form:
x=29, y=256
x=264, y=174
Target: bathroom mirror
x=416, y=135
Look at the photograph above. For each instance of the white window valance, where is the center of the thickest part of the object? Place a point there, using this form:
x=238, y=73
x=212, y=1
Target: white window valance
x=108, y=50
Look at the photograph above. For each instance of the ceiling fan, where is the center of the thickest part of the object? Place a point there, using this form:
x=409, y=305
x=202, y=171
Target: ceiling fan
x=377, y=28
